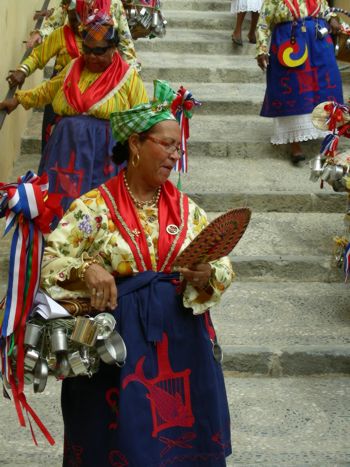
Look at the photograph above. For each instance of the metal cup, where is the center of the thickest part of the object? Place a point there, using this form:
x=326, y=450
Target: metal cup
x=321, y=32
x=32, y=334
x=59, y=340
x=77, y=364
x=106, y=323
x=316, y=168
x=155, y=19
x=30, y=359
x=85, y=331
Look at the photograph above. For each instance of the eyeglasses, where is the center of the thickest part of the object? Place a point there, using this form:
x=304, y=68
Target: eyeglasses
x=95, y=50
x=168, y=147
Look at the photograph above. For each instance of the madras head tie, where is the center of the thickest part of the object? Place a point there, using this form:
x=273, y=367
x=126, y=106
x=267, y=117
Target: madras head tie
x=29, y=210
x=142, y=117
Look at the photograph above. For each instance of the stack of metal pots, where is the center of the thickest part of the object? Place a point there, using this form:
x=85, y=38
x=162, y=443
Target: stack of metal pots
x=145, y=18
x=69, y=347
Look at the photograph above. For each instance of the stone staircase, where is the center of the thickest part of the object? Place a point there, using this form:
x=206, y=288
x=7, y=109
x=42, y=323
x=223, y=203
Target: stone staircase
x=287, y=315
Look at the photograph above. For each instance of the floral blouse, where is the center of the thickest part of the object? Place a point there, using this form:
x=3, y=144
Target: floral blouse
x=275, y=11
x=87, y=231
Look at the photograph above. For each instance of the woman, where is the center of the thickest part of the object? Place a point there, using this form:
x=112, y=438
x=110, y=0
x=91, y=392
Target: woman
x=77, y=156
x=301, y=67
x=116, y=244
x=64, y=44
x=113, y=7
x=240, y=8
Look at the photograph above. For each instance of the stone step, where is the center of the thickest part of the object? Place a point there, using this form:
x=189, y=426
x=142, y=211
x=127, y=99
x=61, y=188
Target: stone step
x=224, y=137
x=198, y=41
x=210, y=68
x=195, y=5
x=291, y=421
x=284, y=328
x=199, y=19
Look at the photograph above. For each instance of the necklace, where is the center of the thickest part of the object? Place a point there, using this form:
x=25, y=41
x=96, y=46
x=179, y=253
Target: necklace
x=141, y=204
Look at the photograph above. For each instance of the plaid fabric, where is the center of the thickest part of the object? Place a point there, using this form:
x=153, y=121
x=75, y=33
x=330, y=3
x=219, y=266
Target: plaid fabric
x=98, y=27
x=143, y=117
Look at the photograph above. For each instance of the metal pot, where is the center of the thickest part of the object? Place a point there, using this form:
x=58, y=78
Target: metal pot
x=112, y=350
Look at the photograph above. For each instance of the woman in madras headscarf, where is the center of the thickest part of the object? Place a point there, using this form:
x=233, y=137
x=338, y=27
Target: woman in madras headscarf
x=301, y=67
x=116, y=245
x=77, y=156
x=65, y=44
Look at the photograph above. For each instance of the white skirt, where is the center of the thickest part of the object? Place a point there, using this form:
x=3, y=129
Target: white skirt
x=245, y=5
x=294, y=129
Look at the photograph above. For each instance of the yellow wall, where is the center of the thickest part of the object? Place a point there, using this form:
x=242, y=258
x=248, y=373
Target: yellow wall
x=342, y=4
x=15, y=24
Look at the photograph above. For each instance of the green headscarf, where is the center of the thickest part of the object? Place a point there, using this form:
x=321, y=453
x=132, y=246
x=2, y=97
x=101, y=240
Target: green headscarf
x=144, y=116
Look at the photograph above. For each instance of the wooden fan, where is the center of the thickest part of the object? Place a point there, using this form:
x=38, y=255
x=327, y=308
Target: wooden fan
x=216, y=240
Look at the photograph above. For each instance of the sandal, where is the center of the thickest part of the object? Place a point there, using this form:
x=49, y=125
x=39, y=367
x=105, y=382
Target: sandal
x=252, y=40
x=296, y=158
x=237, y=40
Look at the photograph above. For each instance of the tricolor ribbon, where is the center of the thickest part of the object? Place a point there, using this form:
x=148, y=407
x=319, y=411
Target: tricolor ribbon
x=29, y=210
x=182, y=110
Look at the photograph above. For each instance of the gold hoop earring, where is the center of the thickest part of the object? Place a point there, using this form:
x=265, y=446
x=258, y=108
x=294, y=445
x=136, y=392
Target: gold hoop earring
x=135, y=160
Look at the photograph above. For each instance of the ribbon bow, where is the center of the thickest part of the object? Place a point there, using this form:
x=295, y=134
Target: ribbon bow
x=336, y=114
x=28, y=208
x=182, y=110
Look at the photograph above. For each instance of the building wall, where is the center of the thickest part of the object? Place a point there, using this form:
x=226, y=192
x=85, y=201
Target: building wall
x=15, y=23
x=342, y=4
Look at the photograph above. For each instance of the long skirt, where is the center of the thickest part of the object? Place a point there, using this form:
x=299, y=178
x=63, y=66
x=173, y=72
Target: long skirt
x=239, y=6
x=77, y=156
x=167, y=406
x=297, y=90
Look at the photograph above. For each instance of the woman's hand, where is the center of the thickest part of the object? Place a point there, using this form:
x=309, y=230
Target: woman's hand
x=198, y=276
x=102, y=287
x=34, y=39
x=334, y=25
x=9, y=104
x=16, y=78
x=263, y=61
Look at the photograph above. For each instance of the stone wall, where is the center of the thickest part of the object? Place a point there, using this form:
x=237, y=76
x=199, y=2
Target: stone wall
x=15, y=23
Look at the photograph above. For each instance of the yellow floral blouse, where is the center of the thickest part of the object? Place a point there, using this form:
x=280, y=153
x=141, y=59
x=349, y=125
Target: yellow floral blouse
x=125, y=46
x=87, y=231
x=275, y=11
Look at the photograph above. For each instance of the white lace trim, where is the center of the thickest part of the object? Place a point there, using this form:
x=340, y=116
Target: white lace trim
x=294, y=129
x=238, y=6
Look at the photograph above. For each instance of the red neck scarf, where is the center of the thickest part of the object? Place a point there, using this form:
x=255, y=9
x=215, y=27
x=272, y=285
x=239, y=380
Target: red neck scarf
x=313, y=7
x=172, y=210
x=71, y=43
x=106, y=82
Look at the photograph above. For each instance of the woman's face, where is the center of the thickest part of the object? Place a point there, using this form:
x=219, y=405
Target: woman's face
x=159, y=154
x=98, y=55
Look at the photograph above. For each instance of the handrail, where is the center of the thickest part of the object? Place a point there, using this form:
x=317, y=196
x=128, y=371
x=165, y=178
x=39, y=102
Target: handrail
x=11, y=91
